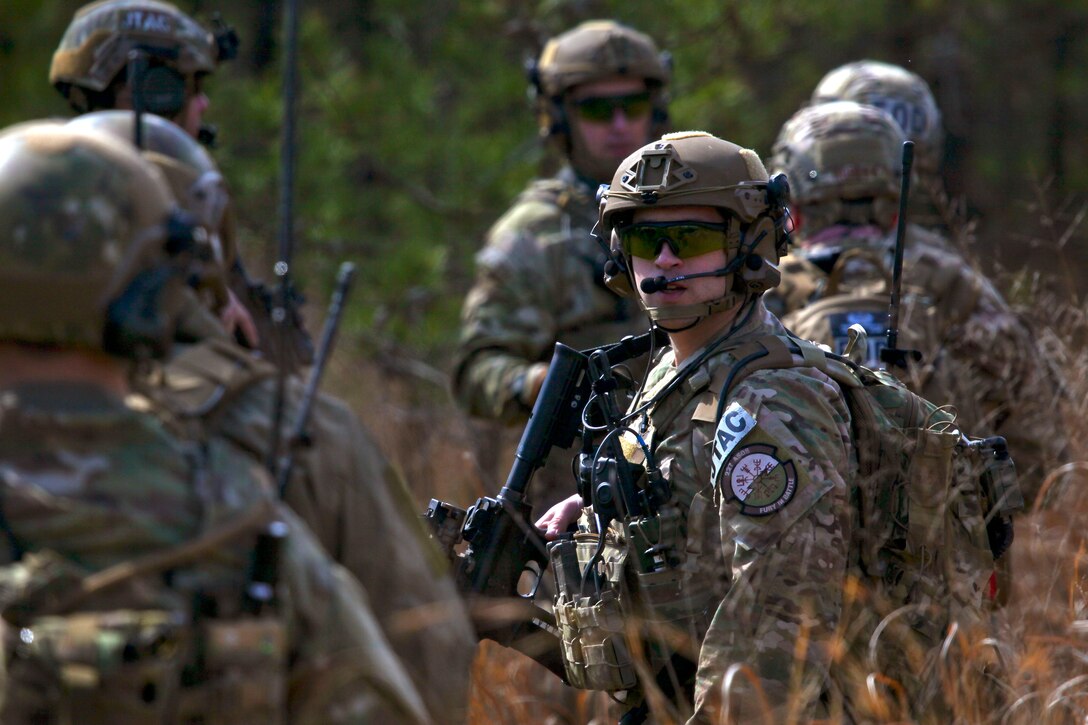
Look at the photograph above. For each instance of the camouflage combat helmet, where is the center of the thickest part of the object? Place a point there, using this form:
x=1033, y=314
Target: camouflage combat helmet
x=592, y=51
x=95, y=48
x=903, y=94
x=697, y=169
x=85, y=241
x=844, y=162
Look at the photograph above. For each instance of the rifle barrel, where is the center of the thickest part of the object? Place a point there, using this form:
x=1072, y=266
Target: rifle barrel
x=344, y=280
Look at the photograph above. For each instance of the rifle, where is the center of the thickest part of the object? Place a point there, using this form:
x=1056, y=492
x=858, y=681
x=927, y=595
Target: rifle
x=502, y=541
x=299, y=435
x=891, y=355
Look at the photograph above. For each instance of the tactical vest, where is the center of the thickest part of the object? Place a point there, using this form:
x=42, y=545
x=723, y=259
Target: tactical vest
x=174, y=633
x=102, y=648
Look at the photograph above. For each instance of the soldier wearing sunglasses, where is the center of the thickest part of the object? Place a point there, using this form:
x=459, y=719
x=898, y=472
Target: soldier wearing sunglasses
x=599, y=92
x=756, y=473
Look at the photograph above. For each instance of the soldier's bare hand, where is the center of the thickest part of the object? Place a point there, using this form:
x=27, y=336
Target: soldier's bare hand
x=559, y=517
x=235, y=316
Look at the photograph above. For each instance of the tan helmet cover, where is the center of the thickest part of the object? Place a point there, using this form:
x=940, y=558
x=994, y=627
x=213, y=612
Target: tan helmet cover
x=599, y=49
x=841, y=152
x=592, y=51
x=96, y=44
x=694, y=168
x=904, y=95
x=82, y=215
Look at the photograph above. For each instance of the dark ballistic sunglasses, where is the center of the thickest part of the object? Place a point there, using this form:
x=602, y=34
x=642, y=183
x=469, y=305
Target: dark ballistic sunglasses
x=603, y=108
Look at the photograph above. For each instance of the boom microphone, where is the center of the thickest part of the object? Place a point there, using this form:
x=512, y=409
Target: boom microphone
x=657, y=284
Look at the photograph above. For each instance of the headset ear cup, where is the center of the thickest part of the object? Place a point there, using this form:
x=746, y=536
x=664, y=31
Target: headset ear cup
x=135, y=322
x=778, y=191
x=560, y=124
x=162, y=91
x=761, y=238
x=617, y=277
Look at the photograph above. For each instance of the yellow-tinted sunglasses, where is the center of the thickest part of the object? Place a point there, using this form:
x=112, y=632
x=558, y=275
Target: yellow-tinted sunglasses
x=685, y=239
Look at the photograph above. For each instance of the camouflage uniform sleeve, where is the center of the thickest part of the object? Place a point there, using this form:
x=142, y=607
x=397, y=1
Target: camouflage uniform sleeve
x=343, y=669
x=784, y=518
x=508, y=325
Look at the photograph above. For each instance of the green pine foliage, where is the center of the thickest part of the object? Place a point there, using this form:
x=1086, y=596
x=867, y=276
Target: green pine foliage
x=415, y=131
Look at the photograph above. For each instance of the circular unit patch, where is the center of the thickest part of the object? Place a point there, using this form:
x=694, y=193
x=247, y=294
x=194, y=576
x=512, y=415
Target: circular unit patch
x=759, y=479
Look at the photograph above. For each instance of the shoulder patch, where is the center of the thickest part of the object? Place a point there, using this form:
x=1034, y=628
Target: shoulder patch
x=735, y=423
x=759, y=479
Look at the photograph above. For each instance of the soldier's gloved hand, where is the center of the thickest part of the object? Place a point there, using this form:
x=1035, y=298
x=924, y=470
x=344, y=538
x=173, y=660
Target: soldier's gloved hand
x=559, y=517
x=235, y=316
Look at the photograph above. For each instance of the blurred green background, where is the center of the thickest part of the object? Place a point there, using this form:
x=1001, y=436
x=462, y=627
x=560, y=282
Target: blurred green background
x=415, y=130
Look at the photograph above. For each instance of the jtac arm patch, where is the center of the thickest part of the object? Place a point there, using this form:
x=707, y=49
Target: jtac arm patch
x=735, y=423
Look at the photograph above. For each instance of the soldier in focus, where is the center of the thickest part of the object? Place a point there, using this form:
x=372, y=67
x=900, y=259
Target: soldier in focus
x=743, y=582
x=844, y=163
x=746, y=571
x=149, y=576
x=342, y=486
x=600, y=92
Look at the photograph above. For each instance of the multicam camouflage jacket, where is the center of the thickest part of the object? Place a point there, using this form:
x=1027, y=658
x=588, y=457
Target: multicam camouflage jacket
x=978, y=355
x=122, y=590
x=765, y=494
x=539, y=281
x=353, y=499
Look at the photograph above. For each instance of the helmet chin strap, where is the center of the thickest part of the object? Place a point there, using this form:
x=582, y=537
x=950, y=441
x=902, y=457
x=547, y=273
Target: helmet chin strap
x=698, y=310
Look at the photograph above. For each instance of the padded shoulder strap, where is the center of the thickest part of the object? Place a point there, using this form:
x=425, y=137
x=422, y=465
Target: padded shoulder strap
x=772, y=352
x=775, y=352
x=199, y=380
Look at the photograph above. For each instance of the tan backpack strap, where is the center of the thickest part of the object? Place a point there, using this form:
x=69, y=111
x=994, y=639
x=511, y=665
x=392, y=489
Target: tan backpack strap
x=199, y=380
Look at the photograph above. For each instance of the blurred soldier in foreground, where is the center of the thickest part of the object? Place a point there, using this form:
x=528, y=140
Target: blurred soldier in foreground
x=149, y=577
x=342, y=485
x=844, y=163
x=600, y=91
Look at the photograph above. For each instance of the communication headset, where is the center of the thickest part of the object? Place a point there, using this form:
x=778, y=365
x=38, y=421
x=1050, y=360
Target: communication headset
x=137, y=324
